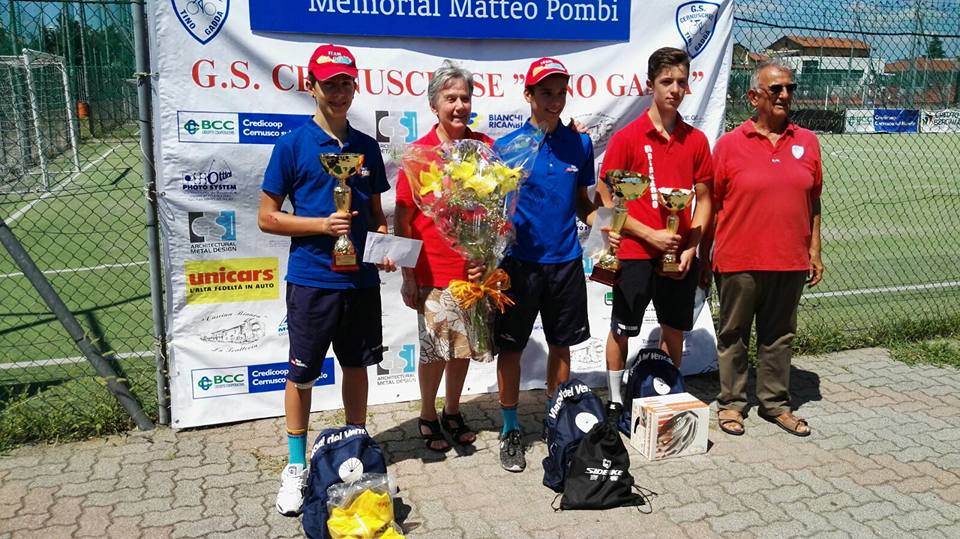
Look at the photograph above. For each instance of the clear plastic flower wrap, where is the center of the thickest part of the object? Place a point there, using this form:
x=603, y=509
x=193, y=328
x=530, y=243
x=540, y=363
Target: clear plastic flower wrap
x=470, y=191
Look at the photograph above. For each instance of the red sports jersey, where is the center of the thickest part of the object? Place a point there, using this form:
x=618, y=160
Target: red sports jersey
x=763, y=197
x=682, y=161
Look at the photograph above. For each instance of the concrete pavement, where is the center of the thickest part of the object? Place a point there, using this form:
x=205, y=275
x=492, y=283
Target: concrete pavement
x=883, y=460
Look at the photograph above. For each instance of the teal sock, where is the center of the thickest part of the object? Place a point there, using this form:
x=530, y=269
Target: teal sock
x=297, y=445
x=509, y=419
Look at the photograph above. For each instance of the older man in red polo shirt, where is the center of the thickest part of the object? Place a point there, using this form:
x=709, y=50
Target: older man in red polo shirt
x=767, y=184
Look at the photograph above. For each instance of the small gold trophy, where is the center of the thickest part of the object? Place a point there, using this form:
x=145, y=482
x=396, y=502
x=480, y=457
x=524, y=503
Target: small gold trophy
x=625, y=185
x=341, y=166
x=675, y=200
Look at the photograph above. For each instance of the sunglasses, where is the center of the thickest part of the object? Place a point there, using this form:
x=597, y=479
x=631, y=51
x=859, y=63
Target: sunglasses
x=775, y=89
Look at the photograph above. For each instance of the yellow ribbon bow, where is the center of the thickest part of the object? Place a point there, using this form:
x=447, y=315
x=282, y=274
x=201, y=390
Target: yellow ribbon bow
x=467, y=293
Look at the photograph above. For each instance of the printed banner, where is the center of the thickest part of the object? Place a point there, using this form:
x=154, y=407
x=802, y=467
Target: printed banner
x=232, y=79
x=940, y=121
x=859, y=121
x=896, y=120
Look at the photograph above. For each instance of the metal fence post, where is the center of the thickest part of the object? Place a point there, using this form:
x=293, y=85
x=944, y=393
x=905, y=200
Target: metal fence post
x=72, y=123
x=69, y=321
x=35, y=111
x=145, y=124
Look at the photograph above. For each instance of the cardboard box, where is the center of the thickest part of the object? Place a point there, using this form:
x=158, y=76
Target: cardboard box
x=669, y=426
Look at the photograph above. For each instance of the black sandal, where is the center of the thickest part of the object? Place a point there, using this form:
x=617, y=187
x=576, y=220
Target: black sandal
x=435, y=435
x=456, y=427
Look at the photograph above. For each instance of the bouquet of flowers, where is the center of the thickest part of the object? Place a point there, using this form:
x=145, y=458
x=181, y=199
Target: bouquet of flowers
x=470, y=191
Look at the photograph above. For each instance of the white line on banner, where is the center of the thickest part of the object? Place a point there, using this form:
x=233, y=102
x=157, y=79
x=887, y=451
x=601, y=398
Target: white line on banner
x=77, y=270
x=66, y=360
x=22, y=211
x=864, y=291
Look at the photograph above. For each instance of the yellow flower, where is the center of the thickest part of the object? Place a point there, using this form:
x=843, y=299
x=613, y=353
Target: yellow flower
x=430, y=180
x=463, y=171
x=507, y=177
x=482, y=184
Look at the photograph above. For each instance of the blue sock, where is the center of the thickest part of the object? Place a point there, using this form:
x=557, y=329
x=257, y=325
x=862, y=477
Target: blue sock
x=297, y=445
x=509, y=419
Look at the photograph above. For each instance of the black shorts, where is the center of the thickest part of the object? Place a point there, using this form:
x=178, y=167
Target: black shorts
x=639, y=284
x=350, y=319
x=558, y=292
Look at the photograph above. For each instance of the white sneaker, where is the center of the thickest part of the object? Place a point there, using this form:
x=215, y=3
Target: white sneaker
x=293, y=480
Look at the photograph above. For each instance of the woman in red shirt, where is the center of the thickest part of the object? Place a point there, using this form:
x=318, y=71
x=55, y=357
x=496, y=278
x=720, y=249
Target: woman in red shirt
x=446, y=345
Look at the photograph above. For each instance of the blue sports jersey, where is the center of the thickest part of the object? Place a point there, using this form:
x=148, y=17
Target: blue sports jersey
x=546, y=217
x=295, y=172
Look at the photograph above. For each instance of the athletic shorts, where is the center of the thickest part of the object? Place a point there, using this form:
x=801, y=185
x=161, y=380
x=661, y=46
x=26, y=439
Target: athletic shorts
x=639, y=284
x=446, y=330
x=558, y=292
x=317, y=317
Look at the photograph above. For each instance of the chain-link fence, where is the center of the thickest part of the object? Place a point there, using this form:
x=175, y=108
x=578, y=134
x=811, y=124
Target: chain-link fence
x=891, y=220
x=879, y=80
x=71, y=190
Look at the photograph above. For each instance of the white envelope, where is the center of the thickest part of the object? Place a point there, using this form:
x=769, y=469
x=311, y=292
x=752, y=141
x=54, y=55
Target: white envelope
x=403, y=251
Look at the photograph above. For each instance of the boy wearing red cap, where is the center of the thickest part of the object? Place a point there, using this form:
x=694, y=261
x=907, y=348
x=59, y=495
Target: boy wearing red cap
x=325, y=306
x=545, y=264
x=673, y=154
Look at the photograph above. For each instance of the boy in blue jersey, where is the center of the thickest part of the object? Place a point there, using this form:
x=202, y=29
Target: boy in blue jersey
x=324, y=306
x=545, y=264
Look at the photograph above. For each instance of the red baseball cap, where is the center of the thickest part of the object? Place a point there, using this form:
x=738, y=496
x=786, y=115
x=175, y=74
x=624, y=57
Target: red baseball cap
x=543, y=68
x=331, y=60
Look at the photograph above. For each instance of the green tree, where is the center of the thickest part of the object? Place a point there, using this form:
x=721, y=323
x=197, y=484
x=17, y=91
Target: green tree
x=935, y=48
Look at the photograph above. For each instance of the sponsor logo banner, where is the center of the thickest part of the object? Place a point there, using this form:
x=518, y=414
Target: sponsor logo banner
x=232, y=332
x=273, y=376
x=696, y=22
x=212, y=232
x=940, y=121
x=398, y=368
x=232, y=279
x=396, y=126
x=212, y=181
x=218, y=382
x=202, y=19
x=554, y=20
x=896, y=120
x=236, y=127
x=859, y=121
x=198, y=126
x=240, y=380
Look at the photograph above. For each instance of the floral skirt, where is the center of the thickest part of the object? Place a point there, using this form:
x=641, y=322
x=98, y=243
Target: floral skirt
x=445, y=329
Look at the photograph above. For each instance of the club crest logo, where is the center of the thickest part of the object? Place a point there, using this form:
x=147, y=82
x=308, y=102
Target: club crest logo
x=203, y=19
x=797, y=151
x=696, y=22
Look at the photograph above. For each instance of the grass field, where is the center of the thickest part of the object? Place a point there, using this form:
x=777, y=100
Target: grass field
x=891, y=229
x=87, y=235
x=891, y=245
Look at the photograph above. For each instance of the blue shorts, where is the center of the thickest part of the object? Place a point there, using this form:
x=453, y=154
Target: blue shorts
x=316, y=317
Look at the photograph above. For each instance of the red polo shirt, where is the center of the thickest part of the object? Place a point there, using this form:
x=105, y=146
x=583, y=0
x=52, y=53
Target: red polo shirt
x=681, y=161
x=438, y=262
x=763, y=195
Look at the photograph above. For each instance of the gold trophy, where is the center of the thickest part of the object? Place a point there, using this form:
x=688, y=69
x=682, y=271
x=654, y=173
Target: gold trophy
x=341, y=166
x=625, y=185
x=675, y=200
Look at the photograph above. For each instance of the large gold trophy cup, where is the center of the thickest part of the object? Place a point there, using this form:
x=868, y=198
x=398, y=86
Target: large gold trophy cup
x=625, y=185
x=674, y=200
x=341, y=166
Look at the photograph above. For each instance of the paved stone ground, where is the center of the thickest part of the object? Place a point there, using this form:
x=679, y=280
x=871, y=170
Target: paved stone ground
x=884, y=460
